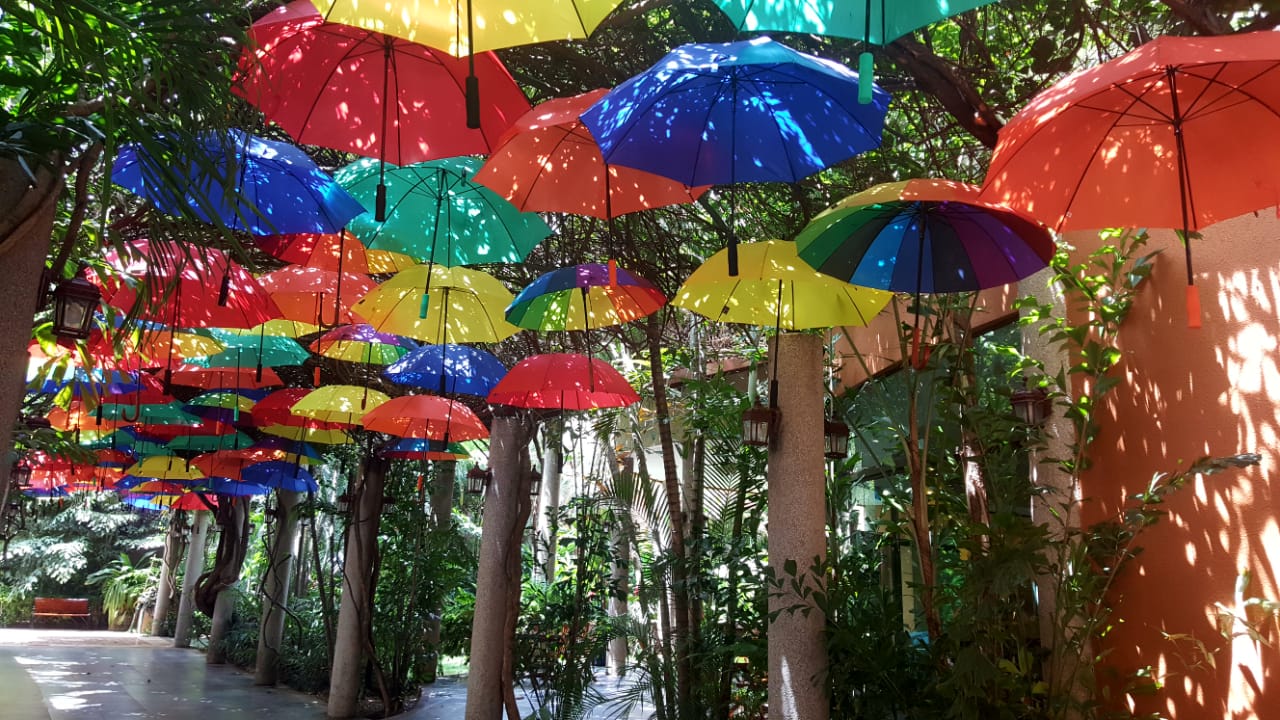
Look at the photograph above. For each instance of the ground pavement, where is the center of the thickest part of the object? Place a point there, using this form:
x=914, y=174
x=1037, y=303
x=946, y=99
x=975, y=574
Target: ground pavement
x=88, y=675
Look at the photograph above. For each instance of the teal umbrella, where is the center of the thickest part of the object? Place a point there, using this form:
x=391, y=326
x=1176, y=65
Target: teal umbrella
x=210, y=443
x=249, y=348
x=874, y=22
x=437, y=214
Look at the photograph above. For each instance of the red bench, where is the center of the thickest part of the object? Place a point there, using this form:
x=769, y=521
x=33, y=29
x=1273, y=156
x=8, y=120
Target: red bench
x=75, y=608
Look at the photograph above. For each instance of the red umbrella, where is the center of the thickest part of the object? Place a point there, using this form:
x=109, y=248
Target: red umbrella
x=429, y=417
x=375, y=95
x=192, y=271
x=341, y=252
x=316, y=295
x=274, y=409
x=563, y=381
x=549, y=162
x=224, y=377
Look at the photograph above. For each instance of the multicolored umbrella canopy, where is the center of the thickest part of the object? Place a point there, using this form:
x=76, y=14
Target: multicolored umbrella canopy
x=457, y=369
x=437, y=305
x=924, y=236
x=436, y=213
x=563, y=381
x=263, y=187
x=357, y=90
x=549, y=162
x=583, y=297
x=339, y=403
x=775, y=287
x=1150, y=139
x=185, y=285
x=315, y=295
x=362, y=344
x=428, y=417
x=748, y=111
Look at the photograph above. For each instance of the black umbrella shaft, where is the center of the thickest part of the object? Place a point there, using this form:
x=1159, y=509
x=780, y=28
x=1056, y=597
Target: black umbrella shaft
x=1184, y=175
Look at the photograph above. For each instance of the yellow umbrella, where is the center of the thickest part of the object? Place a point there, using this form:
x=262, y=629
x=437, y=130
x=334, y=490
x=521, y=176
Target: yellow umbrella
x=462, y=26
x=385, y=262
x=302, y=433
x=439, y=305
x=280, y=328
x=338, y=403
x=164, y=467
x=156, y=344
x=775, y=287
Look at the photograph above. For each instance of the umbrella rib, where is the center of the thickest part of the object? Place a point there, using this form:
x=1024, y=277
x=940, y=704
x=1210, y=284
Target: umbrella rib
x=1238, y=89
x=347, y=54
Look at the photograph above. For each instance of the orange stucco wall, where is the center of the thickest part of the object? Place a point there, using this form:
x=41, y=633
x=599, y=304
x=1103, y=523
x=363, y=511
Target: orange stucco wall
x=1188, y=393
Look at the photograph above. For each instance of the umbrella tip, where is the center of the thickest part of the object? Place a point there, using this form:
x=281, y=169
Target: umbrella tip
x=1193, y=306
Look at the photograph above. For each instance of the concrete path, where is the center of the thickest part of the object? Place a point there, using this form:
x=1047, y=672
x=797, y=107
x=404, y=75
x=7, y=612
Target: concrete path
x=90, y=675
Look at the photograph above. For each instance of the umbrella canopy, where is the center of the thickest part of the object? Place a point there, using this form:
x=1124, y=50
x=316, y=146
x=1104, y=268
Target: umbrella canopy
x=361, y=344
x=281, y=475
x=263, y=187
x=174, y=284
x=478, y=25
x=309, y=294
x=219, y=378
x=563, y=381
x=285, y=328
x=872, y=21
x=224, y=400
x=338, y=403
x=924, y=236
x=357, y=90
x=233, y=488
x=775, y=287
x=428, y=417
x=275, y=409
x=249, y=349
x=749, y=111
x=209, y=443
x=582, y=297
x=549, y=162
x=436, y=213
x=1178, y=133
x=339, y=252
x=419, y=449
x=457, y=369
x=438, y=305
x=164, y=468
x=325, y=434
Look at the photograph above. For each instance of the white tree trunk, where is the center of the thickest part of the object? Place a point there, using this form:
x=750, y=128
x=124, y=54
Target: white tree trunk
x=195, y=566
x=275, y=589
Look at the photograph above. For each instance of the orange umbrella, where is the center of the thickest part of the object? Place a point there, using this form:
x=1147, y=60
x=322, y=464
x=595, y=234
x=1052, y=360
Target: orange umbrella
x=549, y=162
x=224, y=377
x=310, y=294
x=1179, y=133
x=340, y=252
x=429, y=417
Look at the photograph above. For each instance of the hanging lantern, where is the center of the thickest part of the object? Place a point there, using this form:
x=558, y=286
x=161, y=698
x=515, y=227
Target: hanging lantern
x=1031, y=405
x=535, y=483
x=344, y=503
x=835, y=440
x=20, y=474
x=477, y=480
x=74, y=302
x=757, y=425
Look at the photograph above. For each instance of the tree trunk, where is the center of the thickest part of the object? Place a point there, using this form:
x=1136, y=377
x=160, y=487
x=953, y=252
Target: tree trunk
x=501, y=532
x=195, y=564
x=234, y=538
x=547, y=525
x=354, y=613
x=164, y=588
x=443, y=482
x=27, y=213
x=620, y=566
x=671, y=477
x=275, y=589
x=917, y=465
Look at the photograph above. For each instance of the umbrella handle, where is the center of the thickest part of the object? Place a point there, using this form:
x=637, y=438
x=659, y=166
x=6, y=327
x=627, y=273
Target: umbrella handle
x=224, y=292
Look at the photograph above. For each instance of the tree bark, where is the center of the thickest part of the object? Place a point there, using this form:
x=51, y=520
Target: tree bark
x=275, y=590
x=443, y=482
x=946, y=82
x=164, y=588
x=547, y=525
x=234, y=537
x=195, y=564
x=490, y=681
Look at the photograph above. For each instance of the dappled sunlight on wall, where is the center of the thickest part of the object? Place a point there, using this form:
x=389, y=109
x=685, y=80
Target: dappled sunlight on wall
x=1187, y=393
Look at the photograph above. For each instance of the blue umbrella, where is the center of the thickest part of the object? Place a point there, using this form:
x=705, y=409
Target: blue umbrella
x=95, y=382
x=264, y=187
x=458, y=369
x=280, y=474
x=235, y=488
x=748, y=111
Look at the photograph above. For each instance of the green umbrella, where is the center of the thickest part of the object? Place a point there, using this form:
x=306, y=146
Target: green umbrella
x=150, y=414
x=209, y=443
x=437, y=214
x=247, y=349
x=224, y=399
x=138, y=447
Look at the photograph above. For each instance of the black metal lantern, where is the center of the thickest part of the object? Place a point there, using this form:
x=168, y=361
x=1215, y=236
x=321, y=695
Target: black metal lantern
x=757, y=425
x=74, y=302
x=535, y=483
x=343, y=503
x=1031, y=405
x=20, y=474
x=835, y=440
x=477, y=480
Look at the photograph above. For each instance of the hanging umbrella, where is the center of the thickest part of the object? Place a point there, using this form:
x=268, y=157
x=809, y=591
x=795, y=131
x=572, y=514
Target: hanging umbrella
x=749, y=111
x=583, y=297
x=339, y=252
x=225, y=378
x=420, y=449
x=177, y=286
x=248, y=183
x=285, y=328
x=131, y=440
x=1178, y=133
x=172, y=469
x=776, y=288
x=876, y=22
x=437, y=213
x=924, y=236
x=314, y=295
x=360, y=91
x=245, y=349
x=276, y=409
x=549, y=162
x=428, y=417
x=563, y=381
x=280, y=475
x=308, y=433
x=483, y=25
x=233, y=488
x=457, y=369
x=238, y=402
x=361, y=344
x=338, y=403
x=209, y=443
x=437, y=304
x=186, y=501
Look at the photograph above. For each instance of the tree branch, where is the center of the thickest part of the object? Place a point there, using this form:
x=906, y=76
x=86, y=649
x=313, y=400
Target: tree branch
x=946, y=82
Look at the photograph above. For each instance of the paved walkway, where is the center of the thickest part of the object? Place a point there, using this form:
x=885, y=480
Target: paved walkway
x=88, y=675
